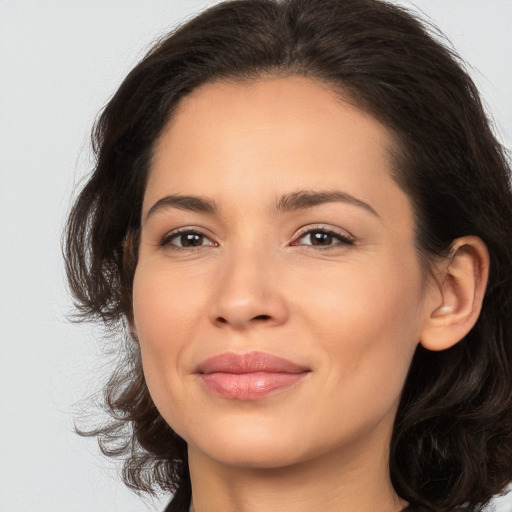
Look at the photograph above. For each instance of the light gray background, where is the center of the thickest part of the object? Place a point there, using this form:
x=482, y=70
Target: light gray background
x=60, y=60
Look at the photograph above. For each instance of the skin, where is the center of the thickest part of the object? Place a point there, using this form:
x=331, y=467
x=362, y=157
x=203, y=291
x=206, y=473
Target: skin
x=351, y=312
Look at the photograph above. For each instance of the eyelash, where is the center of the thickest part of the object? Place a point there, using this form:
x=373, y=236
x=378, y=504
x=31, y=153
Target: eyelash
x=166, y=240
x=342, y=239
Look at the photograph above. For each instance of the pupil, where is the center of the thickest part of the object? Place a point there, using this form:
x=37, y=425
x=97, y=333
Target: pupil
x=191, y=240
x=320, y=238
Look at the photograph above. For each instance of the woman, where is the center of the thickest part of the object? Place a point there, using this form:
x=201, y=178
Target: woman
x=300, y=215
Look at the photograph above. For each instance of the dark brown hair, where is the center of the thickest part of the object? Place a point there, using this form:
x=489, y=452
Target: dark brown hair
x=452, y=440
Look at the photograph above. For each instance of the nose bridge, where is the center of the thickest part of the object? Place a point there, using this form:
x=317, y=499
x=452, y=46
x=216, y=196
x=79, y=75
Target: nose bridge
x=247, y=289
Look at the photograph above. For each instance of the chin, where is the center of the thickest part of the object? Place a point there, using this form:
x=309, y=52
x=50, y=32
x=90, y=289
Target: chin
x=254, y=455
x=254, y=446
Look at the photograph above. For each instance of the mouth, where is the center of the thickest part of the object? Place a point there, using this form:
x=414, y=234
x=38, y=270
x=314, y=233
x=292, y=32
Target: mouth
x=248, y=376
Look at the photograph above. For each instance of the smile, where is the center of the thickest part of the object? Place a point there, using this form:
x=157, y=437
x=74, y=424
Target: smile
x=248, y=376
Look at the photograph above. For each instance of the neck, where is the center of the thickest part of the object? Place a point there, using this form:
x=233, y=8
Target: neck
x=341, y=480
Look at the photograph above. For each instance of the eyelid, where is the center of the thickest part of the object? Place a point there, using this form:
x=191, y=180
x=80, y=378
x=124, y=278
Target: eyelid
x=344, y=237
x=341, y=234
x=165, y=239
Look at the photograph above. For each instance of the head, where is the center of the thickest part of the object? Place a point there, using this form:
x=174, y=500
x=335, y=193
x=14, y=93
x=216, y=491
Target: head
x=432, y=170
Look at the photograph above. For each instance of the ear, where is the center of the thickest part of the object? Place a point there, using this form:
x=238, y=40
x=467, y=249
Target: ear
x=456, y=297
x=133, y=333
x=130, y=249
x=129, y=323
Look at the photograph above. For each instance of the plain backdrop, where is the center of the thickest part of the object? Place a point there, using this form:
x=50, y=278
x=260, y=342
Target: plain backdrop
x=60, y=61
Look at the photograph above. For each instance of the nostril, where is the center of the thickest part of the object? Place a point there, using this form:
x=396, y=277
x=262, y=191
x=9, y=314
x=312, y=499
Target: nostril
x=223, y=320
x=262, y=317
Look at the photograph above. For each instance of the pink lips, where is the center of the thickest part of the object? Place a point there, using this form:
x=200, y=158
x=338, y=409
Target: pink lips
x=248, y=376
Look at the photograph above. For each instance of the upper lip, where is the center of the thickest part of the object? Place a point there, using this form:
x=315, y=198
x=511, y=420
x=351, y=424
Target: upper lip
x=248, y=362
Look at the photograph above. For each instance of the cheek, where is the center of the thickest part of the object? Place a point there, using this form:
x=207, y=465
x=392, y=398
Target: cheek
x=165, y=315
x=164, y=309
x=368, y=324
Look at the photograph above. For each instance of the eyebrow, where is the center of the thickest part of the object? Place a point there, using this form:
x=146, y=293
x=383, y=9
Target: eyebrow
x=187, y=203
x=305, y=199
x=301, y=200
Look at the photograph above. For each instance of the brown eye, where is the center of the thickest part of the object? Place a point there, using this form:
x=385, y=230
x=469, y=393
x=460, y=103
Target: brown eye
x=320, y=238
x=187, y=240
x=190, y=240
x=323, y=238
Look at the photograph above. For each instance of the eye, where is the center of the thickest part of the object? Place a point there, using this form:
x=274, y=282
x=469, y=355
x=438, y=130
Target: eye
x=186, y=239
x=323, y=238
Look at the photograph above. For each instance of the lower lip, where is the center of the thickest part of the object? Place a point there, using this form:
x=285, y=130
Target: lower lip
x=249, y=386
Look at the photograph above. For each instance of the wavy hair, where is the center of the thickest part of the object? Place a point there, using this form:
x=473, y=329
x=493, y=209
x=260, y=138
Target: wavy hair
x=452, y=440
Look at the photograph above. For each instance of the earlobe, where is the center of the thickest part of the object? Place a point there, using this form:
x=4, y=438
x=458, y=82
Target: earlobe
x=461, y=283
x=134, y=335
x=132, y=329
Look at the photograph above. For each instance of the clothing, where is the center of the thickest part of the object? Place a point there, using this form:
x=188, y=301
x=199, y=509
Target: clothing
x=170, y=508
x=176, y=508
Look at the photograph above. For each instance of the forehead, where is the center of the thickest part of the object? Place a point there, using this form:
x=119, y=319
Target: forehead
x=287, y=109
x=270, y=135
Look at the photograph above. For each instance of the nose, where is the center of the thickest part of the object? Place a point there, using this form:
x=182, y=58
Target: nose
x=248, y=293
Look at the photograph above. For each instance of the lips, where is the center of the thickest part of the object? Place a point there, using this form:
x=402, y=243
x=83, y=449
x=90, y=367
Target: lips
x=248, y=376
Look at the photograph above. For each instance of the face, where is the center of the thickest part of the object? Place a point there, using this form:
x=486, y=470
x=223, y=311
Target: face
x=278, y=297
